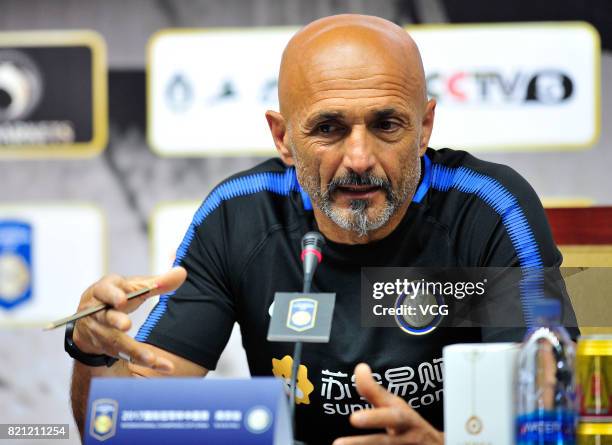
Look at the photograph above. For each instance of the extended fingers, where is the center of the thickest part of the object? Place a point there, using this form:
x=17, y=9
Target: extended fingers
x=369, y=439
x=110, y=290
x=417, y=437
x=161, y=283
x=119, y=344
x=370, y=389
x=171, y=280
x=398, y=418
x=118, y=320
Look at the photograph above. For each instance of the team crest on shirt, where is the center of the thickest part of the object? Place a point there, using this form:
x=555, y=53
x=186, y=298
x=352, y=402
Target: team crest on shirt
x=302, y=314
x=103, y=424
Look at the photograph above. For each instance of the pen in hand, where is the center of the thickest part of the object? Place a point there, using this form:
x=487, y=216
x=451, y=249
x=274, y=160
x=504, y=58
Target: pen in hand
x=94, y=309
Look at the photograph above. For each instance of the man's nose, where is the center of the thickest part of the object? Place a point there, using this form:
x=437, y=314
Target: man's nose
x=358, y=154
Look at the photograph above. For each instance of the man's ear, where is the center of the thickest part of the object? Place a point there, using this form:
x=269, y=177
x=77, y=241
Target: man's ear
x=427, y=125
x=278, y=128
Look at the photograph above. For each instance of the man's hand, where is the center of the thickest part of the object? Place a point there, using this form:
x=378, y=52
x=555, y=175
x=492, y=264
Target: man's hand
x=403, y=424
x=105, y=331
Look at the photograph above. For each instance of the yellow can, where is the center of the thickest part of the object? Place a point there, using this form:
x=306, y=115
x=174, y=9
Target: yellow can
x=594, y=378
x=594, y=434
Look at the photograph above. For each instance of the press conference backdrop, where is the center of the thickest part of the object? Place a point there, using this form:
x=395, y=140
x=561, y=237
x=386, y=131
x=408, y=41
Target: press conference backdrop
x=567, y=160
x=517, y=86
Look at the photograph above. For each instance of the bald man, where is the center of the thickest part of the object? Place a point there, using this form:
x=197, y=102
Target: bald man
x=352, y=135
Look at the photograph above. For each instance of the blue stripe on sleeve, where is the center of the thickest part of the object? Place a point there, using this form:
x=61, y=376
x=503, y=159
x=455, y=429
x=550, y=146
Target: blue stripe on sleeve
x=494, y=194
x=278, y=183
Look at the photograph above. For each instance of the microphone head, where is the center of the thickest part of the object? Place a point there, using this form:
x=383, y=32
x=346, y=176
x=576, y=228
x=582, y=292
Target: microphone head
x=313, y=240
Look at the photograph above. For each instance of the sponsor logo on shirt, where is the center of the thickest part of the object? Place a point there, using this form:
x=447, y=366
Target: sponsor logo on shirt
x=282, y=369
x=420, y=386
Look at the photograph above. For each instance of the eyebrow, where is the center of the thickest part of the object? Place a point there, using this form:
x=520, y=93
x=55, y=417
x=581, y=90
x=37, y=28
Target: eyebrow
x=324, y=116
x=381, y=114
x=385, y=113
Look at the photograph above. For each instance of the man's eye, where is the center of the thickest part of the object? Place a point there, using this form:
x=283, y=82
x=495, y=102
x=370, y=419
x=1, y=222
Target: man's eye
x=327, y=128
x=387, y=125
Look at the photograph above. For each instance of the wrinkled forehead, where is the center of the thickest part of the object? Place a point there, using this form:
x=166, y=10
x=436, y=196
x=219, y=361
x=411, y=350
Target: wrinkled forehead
x=350, y=62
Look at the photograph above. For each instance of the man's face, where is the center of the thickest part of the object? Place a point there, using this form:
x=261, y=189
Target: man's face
x=356, y=140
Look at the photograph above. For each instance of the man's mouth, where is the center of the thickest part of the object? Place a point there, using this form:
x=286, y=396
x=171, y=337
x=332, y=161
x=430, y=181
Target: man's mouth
x=358, y=191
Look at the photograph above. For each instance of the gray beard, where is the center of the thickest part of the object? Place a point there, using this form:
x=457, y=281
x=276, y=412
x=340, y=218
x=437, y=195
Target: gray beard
x=357, y=219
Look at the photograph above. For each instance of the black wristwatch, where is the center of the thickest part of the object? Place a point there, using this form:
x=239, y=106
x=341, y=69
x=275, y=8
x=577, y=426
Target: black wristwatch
x=83, y=357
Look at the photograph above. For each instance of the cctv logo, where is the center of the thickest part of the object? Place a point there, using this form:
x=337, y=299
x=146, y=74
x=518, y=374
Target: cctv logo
x=20, y=85
x=545, y=87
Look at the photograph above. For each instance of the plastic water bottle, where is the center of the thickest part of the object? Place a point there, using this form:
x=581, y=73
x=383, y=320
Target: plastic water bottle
x=546, y=398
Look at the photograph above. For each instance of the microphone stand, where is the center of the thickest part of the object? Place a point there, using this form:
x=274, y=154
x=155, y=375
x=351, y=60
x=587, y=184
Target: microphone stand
x=311, y=245
x=297, y=357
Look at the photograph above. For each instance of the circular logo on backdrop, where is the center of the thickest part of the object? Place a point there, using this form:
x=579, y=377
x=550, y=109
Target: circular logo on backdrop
x=14, y=277
x=258, y=419
x=20, y=85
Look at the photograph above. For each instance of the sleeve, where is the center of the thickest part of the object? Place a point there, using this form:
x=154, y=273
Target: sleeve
x=511, y=231
x=196, y=320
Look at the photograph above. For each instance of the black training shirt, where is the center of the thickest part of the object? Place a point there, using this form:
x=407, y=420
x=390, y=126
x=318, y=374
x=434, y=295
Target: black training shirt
x=244, y=245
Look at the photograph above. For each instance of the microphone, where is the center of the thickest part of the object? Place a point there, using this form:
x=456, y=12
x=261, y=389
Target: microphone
x=311, y=256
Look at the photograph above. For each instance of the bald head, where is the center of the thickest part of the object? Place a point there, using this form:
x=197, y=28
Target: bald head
x=338, y=52
x=354, y=121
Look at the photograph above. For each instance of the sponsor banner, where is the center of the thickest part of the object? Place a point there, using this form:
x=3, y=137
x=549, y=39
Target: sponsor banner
x=53, y=94
x=530, y=86
x=187, y=411
x=209, y=89
x=49, y=254
x=513, y=86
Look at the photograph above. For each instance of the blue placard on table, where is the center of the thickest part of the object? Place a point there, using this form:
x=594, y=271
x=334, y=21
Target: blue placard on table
x=187, y=411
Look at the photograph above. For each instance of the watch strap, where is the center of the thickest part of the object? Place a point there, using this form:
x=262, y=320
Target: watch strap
x=83, y=357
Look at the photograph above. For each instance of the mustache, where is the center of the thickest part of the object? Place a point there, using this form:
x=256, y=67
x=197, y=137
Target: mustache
x=352, y=178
